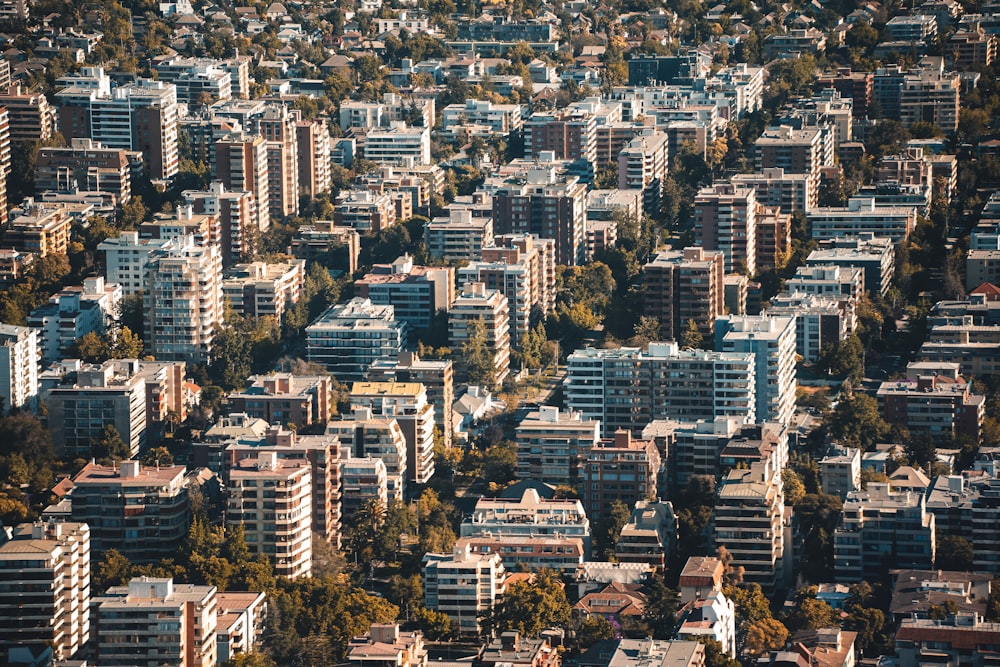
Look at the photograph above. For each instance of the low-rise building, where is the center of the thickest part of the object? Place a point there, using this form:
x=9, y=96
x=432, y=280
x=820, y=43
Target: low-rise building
x=385, y=645
x=840, y=471
x=362, y=482
x=876, y=255
x=72, y=314
x=953, y=640
x=262, y=289
x=862, y=215
x=714, y=617
x=240, y=623
x=364, y=436
x=283, y=398
x=936, y=405
x=650, y=536
x=527, y=515
x=531, y=552
x=649, y=652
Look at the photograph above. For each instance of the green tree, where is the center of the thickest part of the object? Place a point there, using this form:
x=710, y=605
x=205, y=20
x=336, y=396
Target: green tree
x=610, y=528
x=478, y=357
x=662, y=603
x=692, y=338
x=954, y=553
x=810, y=613
x=126, y=345
x=109, y=445
x=793, y=487
x=715, y=654
x=114, y=569
x=592, y=630
x=752, y=608
x=531, y=606
x=765, y=635
x=856, y=422
x=91, y=348
x=845, y=359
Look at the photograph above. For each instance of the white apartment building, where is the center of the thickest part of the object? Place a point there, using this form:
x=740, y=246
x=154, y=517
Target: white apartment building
x=876, y=255
x=820, y=320
x=463, y=585
x=366, y=437
x=152, y=622
x=260, y=289
x=713, y=616
x=458, y=236
x=627, y=388
x=127, y=259
x=18, y=367
x=283, y=534
x=501, y=119
x=772, y=340
x=183, y=302
x=406, y=402
x=348, y=337
x=362, y=481
x=552, y=446
x=399, y=144
x=860, y=216
x=528, y=514
x=749, y=523
x=489, y=308
x=643, y=165
x=73, y=313
x=45, y=589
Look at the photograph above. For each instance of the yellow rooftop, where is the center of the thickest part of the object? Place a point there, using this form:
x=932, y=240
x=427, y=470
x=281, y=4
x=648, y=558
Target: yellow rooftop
x=387, y=388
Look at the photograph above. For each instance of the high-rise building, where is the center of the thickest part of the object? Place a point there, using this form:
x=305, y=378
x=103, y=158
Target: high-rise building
x=749, y=522
x=126, y=260
x=239, y=230
x=152, y=622
x=477, y=307
x=363, y=481
x=406, y=402
x=242, y=165
x=285, y=537
x=874, y=254
x=143, y=512
x=183, y=302
x=548, y=205
x=277, y=125
x=42, y=229
x=464, y=585
x=571, y=134
x=399, y=144
x=643, y=164
x=73, y=313
x=18, y=368
x=284, y=398
x=85, y=165
x=619, y=469
x=772, y=340
x=627, y=388
x=437, y=376
x=776, y=187
x=313, y=139
x=725, y=218
x=138, y=117
x=262, y=289
x=418, y=294
x=31, y=116
x=349, y=337
x=45, y=589
x=522, y=267
x=552, y=445
x=685, y=286
x=364, y=436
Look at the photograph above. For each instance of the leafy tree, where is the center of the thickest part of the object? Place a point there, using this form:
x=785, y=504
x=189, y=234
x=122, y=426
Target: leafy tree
x=715, y=654
x=818, y=515
x=109, y=445
x=856, y=422
x=845, y=359
x=692, y=338
x=647, y=330
x=436, y=625
x=592, y=630
x=114, y=569
x=921, y=451
x=954, y=553
x=477, y=356
x=765, y=635
x=609, y=529
x=251, y=659
x=662, y=603
x=868, y=622
x=500, y=463
x=793, y=487
x=531, y=606
x=157, y=456
x=752, y=607
x=810, y=613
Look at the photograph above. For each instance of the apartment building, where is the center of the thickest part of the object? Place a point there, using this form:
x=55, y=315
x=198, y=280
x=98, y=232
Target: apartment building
x=464, y=585
x=183, y=301
x=242, y=165
x=960, y=638
x=804, y=150
x=545, y=204
x=284, y=537
x=349, y=337
x=650, y=536
x=619, y=469
x=142, y=116
x=18, y=368
x=522, y=511
x=364, y=436
x=143, y=512
x=772, y=340
x=45, y=589
x=153, y=621
x=180, y=223
x=260, y=289
x=399, y=144
x=406, y=402
x=725, y=219
x=845, y=283
x=643, y=164
x=73, y=313
x=418, y=294
x=477, y=309
x=714, y=617
x=384, y=644
x=324, y=241
x=975, y=347
x=283, y=398
x=774, y=237
x=930, y=95
x=628, y=388
x=522, y=268
x=821, y=321
x=126, y=260
x=236, y=212
x=970, y=510
x=458, y=236
x=570, y=134
x=529, y=552
x=875, y=255
x=30, y=116
x=40, y=229
x=500, y=119
x=749, y=522
x=320, y=452
x=312, y=138
x=863, y=216
x=840, y=471
x=855, y=85
x=437, y=376
x=683, y=286
x=552, y=445
x=239, y=624
x=277, y=126
x=365, y=211
x=363, y=482
x=937, y=405
x=85, y=165
x=879, y=529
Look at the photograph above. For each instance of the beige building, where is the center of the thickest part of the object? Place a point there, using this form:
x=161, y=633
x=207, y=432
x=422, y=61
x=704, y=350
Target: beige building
x=488, y=309
x=464, y=585
x=183, y=302
x=260, y=289
x=643, y=164
x=283, y=398
x=277, y=125
x=552, y=445
x=45, y=589
x=407, y=403
x=725, y=219
x=241, y=164
x=237, y=219
x=417, y=293
x=437, y=376
x=364, y=436
x=285, y=537
x=386, y=646
x=313, y=139
x=31, y=116
x=685, y=286
x=152, y=622
x=41, y=229
x=619, y=469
